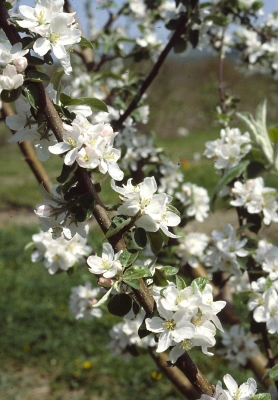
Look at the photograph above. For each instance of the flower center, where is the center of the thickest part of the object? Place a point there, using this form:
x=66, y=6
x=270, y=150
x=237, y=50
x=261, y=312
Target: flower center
x=53, y=37
x=170, y=324
x=72, y=142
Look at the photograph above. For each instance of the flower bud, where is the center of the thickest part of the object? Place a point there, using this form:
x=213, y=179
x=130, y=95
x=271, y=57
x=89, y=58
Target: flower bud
x=20, y=64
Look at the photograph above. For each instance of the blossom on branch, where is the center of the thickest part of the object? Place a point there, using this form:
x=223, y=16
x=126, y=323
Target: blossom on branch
x=151, y=211
x=106, y=265
x=81, y=300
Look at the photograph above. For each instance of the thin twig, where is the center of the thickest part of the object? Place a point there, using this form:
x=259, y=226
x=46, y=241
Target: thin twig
x=29, y=154
x=132, y=106
x=268, y=350
x=220, y=75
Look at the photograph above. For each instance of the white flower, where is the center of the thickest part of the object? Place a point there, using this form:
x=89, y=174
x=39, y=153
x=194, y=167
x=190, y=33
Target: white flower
x=196, y=199
x=81, y=300
x=11, y=55
x=72, y=142
x=256, y=198
x=239, y=346
x=150, y=209
x=191, y=248
x=10, y=79
x=245, y=392
x=108, y=264
x=59, y=254
x=230, y=149
x=172, y=326
x=27, y=129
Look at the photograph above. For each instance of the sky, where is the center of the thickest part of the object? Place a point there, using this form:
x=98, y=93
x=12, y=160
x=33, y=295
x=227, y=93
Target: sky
x=102, y=16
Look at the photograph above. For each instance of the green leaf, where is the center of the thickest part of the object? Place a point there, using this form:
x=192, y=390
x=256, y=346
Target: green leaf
x=173, y=209
x=85, y=43
x=34, y=60
x=27, y=42
x=219, y=20
x=81, y=214
x=139, y=238
x=103, y=299
x=180, y=46
x=48, y=58
x=273, y=373
x=56, y=81
x=194, y=37
x=8, y=96
x=133, y=283
x=169, y=271
x=261, y=396
x=37, y=76
x=120, y=304
x=180, y=283
x=273, y=134
x=200, y=282
x=159, y=278
x=95, y=104
x=118, y=223
x=67, y=172
x=156, y=240
x=229, y=175
x=135, y=307
x=137, y=272
x=127, y=258
x=32, y=95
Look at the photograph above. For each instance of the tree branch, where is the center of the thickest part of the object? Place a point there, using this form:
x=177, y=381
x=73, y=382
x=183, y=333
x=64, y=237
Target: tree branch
x=29, y=154
x=132, y=106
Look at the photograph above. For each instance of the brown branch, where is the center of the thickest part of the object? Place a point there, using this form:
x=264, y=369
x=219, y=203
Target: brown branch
x=113, y=17
x=29, y=154
x=220, y=75
x=268, y=350
x=132, y=106
x=174, y=375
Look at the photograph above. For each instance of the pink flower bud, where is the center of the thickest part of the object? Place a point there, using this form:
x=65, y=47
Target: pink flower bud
x=20, y=64
x=105, y=282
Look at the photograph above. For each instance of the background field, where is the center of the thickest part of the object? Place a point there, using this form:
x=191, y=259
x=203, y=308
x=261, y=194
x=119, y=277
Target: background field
x=45, y=353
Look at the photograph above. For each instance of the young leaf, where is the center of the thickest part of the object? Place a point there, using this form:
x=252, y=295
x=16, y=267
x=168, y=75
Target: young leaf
x=273, y=373
x=85, y=43
x=200, y=282
x=118, y=223
x=37, y=76
x=168, y=270
x=137, y=272
x=103, y=299
x=133, y=283
x=139, y=238
x=180, y=283
x=56, y=81
x=9, y=96
x=231, y=174
x=66, y=173
x=261, y=396
x=120, y=304
x=127, y=258
x=95, y=104
x=156, y=240
x=159, y=278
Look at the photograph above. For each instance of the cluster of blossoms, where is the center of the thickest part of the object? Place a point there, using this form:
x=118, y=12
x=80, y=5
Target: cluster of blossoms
x=124, y=335
x=245, y=391
x=54, y=30
x=151, y=211
x=81, y=300
x=91, y=146
x=225, y=250
x=60, y=254
x=256, y=198
x=238, y=346
x=27, y=128
x=108, y=265
x=230, y=149
x=264, y=299
x=13, y=62
x=195, y=199
x=187, y=318
x=56, y=217
x=191, y=248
